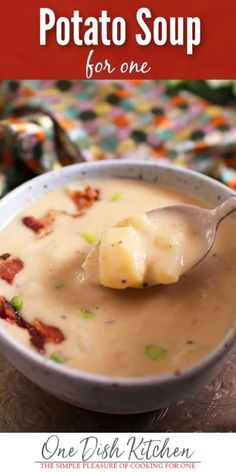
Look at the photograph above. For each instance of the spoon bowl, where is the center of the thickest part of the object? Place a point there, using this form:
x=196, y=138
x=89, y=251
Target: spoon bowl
x=203, y=224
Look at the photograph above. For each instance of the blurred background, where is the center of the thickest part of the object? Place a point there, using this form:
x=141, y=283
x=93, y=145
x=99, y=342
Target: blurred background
x=47, y=124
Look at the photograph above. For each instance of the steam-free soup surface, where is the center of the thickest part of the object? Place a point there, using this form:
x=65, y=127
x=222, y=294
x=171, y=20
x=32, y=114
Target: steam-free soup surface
x=116, y=332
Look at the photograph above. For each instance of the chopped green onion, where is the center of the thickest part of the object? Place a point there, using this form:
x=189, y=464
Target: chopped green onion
x=57, y=357
x=17, y=302
x=86, y=314
x=116, y=197
x=59, y=285
x=155, y=352
x=90, y=237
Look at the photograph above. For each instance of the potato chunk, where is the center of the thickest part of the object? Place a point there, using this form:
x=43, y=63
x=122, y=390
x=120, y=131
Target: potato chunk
x=165, y=261
x=138, y=252
x=163, y=249
x=139, y=221
x=122, y=258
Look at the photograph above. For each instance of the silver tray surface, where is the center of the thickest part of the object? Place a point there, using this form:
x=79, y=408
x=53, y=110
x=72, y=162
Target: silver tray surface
x=26, y=408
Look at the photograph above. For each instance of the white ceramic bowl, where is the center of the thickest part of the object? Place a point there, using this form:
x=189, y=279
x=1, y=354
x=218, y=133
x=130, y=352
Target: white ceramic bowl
x=112, y=394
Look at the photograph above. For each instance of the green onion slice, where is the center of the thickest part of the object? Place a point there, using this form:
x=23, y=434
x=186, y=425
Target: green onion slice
x=90, y=237
x=116, y=197
x=87, y=314
x=17, y=302
x=155, y=352
x=58, y=285
x=57, y=357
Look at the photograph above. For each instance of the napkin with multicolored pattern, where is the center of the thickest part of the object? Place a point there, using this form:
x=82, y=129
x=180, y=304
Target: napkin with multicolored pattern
x=47, y=124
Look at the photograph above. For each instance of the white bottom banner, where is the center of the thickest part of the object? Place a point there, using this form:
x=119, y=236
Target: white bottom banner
x=202, y=452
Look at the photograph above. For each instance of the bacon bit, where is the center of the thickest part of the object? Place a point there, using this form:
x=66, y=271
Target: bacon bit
x=48, y=221
x=41, y=226
x=7, y=312
x=84, y=199
x=39, y=333
x=33, y=223
x=9, y=268
x=52, y=334
x=36, y=338
x=5, y=256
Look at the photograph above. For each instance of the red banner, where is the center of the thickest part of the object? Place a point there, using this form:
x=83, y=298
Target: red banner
x=124, y=39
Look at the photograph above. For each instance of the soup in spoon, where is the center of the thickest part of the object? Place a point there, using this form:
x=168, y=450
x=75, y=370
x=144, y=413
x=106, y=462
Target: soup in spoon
x=143, y=251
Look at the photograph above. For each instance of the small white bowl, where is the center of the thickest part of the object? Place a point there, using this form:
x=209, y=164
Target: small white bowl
x=112, y=394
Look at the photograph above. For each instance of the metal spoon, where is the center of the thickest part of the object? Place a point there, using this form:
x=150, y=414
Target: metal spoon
x=203, y=222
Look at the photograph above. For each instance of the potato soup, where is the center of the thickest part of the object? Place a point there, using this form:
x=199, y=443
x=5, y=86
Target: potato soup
x=49, y=304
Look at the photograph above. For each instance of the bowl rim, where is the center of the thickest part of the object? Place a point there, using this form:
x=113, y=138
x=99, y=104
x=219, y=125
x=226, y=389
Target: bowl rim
x=224, y=346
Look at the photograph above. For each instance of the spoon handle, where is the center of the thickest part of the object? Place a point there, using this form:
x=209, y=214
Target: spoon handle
x=223, y=210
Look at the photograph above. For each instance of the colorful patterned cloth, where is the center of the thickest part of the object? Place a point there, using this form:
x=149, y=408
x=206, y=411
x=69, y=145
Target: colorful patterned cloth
x=45, y=124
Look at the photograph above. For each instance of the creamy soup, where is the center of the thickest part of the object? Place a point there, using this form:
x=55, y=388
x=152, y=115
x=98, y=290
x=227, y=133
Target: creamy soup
x=48, y=303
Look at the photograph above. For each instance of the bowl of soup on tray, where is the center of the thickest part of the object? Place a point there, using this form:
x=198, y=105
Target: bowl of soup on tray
x=111, y=348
